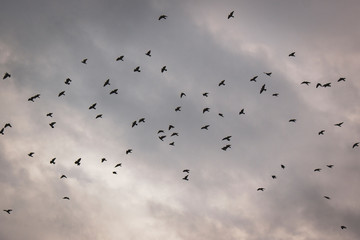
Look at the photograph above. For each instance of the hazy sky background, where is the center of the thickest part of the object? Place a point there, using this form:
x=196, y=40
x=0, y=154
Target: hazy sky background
x=42, y=43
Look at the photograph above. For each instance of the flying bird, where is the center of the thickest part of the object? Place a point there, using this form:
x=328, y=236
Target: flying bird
x=84, y=61
x=292, y=120
x=260, y=189
x=356, y=145
x=182, y=95
x=141, y=120
x=31, y=154
x=338, y=124
x=222, y=83
x=162, y=137
x=327, y=85
x=206, y=109
x=6, y=75
x=163, y=69
x=162, y=17
x=61, y=94
x=107, y=82
x=268, y=73
x=160, y=131
x=343, y=227
x=205, y=94
x=174, y=134
x=2, y=131
x=273, y=177
x=118, y=165
x=342, y=79
x=275, y=94
x=172, y=143
x=321, y=132
x=253, y=79
x=103, y=160
x=242, y=112
x=63, y=176
x=226, y=138
x=186, y=177
x=8, y=210
x=148, y=53
x=170, y=127
x=114, y=172
x=68, y=81
x=121, y=58
x=305, y=82
x=67, y=198
x=115, y=91
x=262, y=89
x=133, y=124
x=186, y=170
x=318, y=85
x=77, y=162
x=137, y=69
x=205, y=127
x=221, y=115
x=231, y=15
x=178, y=109
x=49, y=114
x=7, y=125
x=317, y=170
x=98, y=116
x=327, y=197
x=128, y=151
x=292, y=54
x=282, y=166
x=330, y=166
x=226, y=147
x=52, y=124
x=52, y=161
x=93, y=106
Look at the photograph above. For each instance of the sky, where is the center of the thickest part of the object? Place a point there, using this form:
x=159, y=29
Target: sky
x=42, y=43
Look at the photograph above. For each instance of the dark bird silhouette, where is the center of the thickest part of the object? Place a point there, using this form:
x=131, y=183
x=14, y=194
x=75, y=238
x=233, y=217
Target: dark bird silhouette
x=121, y=58
x=222, y=83
x=343, y=227
x=321, y=132
x=6, y=75
x=128, y=151
x=170, y=127
x=107, y=82
x=317, y=170
x=330, y=166
x=142, y=120
x=226, y=147
x=52, y=124
x=231, y=15
x=221, y=115
x=174, y=134
x=67, y=198
x=77, y=162
x=98, y=116
x=162, y=17
x=292, y=54
x=160, y=131
x=292, y=120
x=205, y=127
x=260, y=189
x=137, y=69
x=133, y=124
x=327, y=197
x=305, y=82
x=356, y=145
x=2, y=131
x=114, y=172
x=339, y=124
x=275, y=94
x=31, y=99
x=31, y=154
x=226, y=138
x=327, y=85
x=7, y=125
x=172, y=143
x=148, y=53
x=49, y=114
x=205, y=94
x=182, y=95
x=63, y=176
x=268, y=73
x=118, y=165
x=103, y=160
x=206, y=109
x=163, y=69
x=34, y=97
x=253, y=79
x=342, y=79
x=262, y=89
x=242, y=112
x=52, y=161
x=68, y=81
x=115, y=91
x=84, y=61
x=186, y=170
x=273, y=177
x=282, y=166
x=178, y=109
x=318, y=85
x=61, y=94
x=93, y=106
x=186, y=177
x=162, y=137
x=8, y=210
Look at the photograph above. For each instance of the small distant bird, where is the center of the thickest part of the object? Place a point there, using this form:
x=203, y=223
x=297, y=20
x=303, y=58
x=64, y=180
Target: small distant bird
x=68, y=81
x=103, y=160
x=356, y=145
x=133, y=124
x=148, y=53
x=118, y=165
x=178, y=109
x=226, y=138
x=262, y=89
x=242, y=112
x=327, y=197
x=205, y=94
x=163, y=69
x=268, y=73
x=327, y=85
x=182, y=95
x=221, y=115
x=226, y=147
x=206, y=109
x=141, y=120
x=205, y=127
x=77, y=162
x=162, y=17
x=343, y=227
x=305, y=82
x=253, y=79
x=114, y=172
x=222, y=83
x=172, y=143
x=8, y=210
x=93, y=106
x=52, y=161
x=338, y=124
x=128, y=151
x=98, y=116
x=6, y=75
x=317, y=170
x=52, y=124
x=107, y=82
x=186, y=170
x=61, y=94
x=330, y=166
x=31, y=154
x=231, y=15
x=121, y=58
x=49, y=114
x=137, y=69
x=115, y=91
x=186, y=177
x=292, y=54
x=174, y=134
x=2, y=131
x=273, y=177
x=275, y=94
x=84, y=61
x=160, y=131
x=170, y=127
x=67, y=198
x=162, y=137
x=7, y=125
x=260, y=189
x=292, y=120
x=321, y=132
x=282, y=166
x=63, y=176
x=318, y=85
x=341, y=79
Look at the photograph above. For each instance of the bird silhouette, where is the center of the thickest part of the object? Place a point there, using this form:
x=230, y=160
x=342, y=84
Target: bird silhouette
x=68, y=81
x=84, y=61
x=321, y=132
x=205, y=94
x=137, y=69
x=182, y=95
x=174, y=134
x=326, y=85
x=49, y=114
x=282, y=166
x=262, y=89
x=66, y=198
x=292, y=54
x=163, y=69
x=339, y=124
x=186, y=170
x=142, y=120
x=77, y=162
x=107, y=82
x=98, y=116
x=327, y=197
x=178, y=109
x=31, y=154
x=253, y=79
x=133, y=124
x=330, y=166
x=118, y=165
x=8, y=210
x=62, y=93
x=226, y=138
x=52, y=124
x=343, y=227
x=7, y=125
x=52, y=161
x=275, y=94
x=221, y=115
x=162, y=137
x=2, y=131
x=103, y=160
x=93, y=106
x=317, y=170
x=162, y=17
x=342, y=79
x=242, y=112
x=172, y=143
x=305, y=82
x=356, y=144
x=231, y=15
x=115, y=91
x=268, y=73
x=318, y=85
x=128, y=151
x=226, y=147
x=206, y=109
x=222, y=83
x=205, y=127
x=121, y=58
x=160, y=131
x=114, y=172
x=6, y=75
x=63, y=176
x=34, y=97
x=292, y=120
x=186, y=177
x=273, y=177
x=148, y=53
x=170, y=127
x=260, y=189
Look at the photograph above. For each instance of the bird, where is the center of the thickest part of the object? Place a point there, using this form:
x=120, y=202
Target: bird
x=242, y=112
x=355, y=144
x=103, y=160
x=305, y=82
x=275, y=94
x=170, y=127
x=163, y=69
x=98, y=116
x=343, y=227
x=182, y=95
x=84, y=61
x=327, y=197
x=282, y=166
x=186, y=170
x=205, y=127
x=205, y=94
x=206, y=109
x=121, y=58
x=7, y=125
x=160, y=131
x=226, y=147
x=68, y=81
x=77, y=162
x=341, y=79
x=62, y=93
x=292, y=54
x=172, y=143
x=292, y=120
x=186, y=177
x=162, y=17
x=321, y=132
x=107, y=82
x=93, y=106
x=162, y=137
x=2, y=131
x=262, y=89
x=49, y=114
x=6, y=75
x=31, y=154
x=221, y=115
x=226, y=138
x=253, y=79
x=268, y=73
x=63, y=176
x=114, y=172
x=67, y=198
x=327, y=85
x=128, y=151
x=231, y=15
x=273, y=177
x=141, y=120
x=222, y=83
x=148, y=53
x=318, y=85
x=52, y=161
x=133, y=124
x=137, y=69
x=8, y=210
x=174, y=134
x=52, y=124
x=118, y=165
x=330, y=166
x=178, y=109
x=317, y=170
x=339, y=124
x=260, y=189
x=115, y=91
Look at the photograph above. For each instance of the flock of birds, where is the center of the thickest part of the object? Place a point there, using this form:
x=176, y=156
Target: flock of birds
x=161, y=133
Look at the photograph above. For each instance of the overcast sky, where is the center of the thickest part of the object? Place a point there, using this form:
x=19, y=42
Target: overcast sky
x=42, y=43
